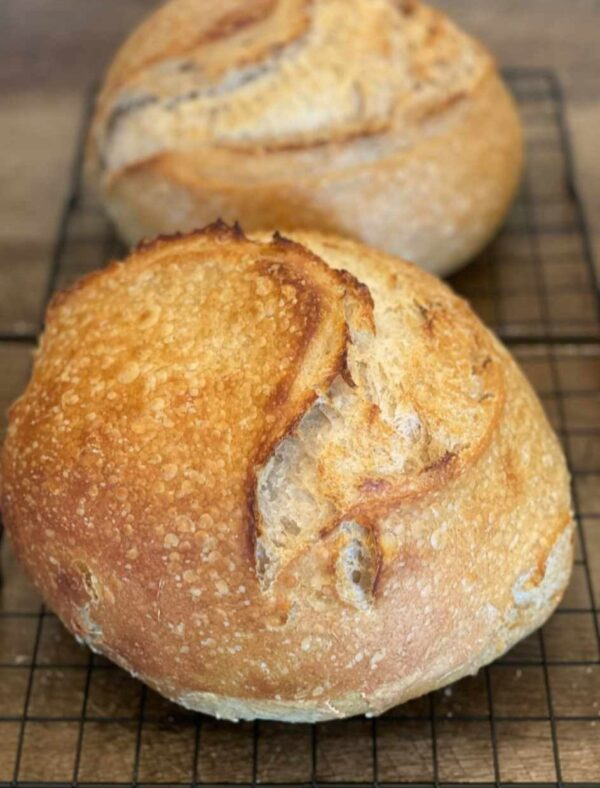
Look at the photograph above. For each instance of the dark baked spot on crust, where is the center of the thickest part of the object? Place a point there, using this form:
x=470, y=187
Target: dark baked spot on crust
x=377, y=585
x=430, y=313
x=238, y=232
x=187, y=65
x=217, y=231
x=125, y=106
x=277, y=616
x=513, y=477
x=407, y=7
x=238, y=20
x=282, y=240
x=345, y=373
x=359, y=289
x=435, y=28
x=375, y=486
x=482, y=365
x=373, y=413
x=441, y=463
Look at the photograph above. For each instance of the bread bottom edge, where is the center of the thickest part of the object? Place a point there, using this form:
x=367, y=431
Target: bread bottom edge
x=531, y=609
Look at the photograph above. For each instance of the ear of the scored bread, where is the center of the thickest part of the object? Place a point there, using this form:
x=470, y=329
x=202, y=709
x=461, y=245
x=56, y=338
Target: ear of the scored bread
x=393, y=429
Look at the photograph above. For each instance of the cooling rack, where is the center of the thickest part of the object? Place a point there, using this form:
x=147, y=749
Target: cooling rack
x=70, y=718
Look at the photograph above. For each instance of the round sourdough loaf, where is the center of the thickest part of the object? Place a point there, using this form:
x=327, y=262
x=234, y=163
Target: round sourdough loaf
x=376, y=119
x=284, y=479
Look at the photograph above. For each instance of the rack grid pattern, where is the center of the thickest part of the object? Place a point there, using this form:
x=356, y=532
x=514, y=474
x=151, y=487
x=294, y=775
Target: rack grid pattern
x=70, y=718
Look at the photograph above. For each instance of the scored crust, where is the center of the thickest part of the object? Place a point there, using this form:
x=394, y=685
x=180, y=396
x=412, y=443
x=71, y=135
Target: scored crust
x=254, y=112
x=294, y=479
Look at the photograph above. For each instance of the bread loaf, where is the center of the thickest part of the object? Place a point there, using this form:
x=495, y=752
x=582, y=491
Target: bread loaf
x=284, y=479
x=376, y=119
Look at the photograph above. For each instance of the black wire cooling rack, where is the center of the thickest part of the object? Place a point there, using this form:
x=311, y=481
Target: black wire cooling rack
x=69, y=718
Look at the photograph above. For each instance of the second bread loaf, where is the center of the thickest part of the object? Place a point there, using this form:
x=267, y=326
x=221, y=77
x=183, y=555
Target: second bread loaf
x=376, y=119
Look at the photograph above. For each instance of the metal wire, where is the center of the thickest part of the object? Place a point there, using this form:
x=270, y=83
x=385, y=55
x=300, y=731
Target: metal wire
x=536, y=285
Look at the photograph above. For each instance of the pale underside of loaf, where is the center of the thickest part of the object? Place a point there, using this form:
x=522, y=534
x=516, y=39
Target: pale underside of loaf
x=387, y=124
x=541, y=601
x=286, y=479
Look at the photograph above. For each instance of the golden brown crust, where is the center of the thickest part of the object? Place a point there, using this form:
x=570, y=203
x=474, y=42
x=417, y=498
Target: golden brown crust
x=271, y=124
x=283, y=478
